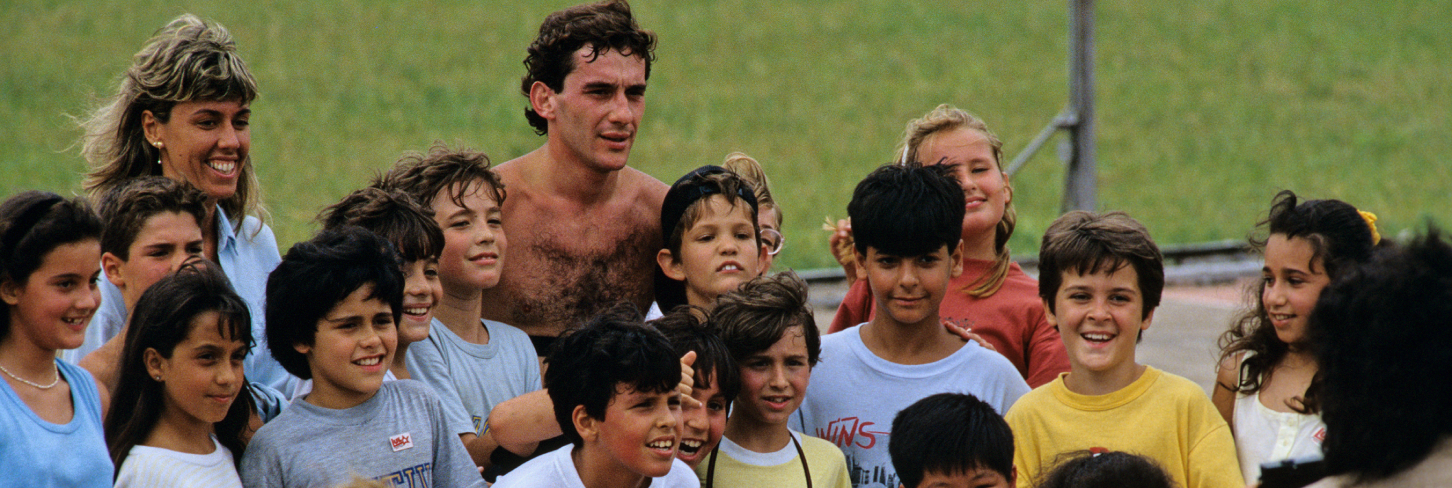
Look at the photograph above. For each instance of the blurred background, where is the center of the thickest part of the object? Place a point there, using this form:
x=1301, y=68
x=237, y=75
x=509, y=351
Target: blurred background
x=1204, y=109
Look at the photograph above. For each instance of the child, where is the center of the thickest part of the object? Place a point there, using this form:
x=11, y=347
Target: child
x=1381, y=331
x=184, y=395
x=715, y=382
x=331, y=308
x=151, y=225
x=1106, y=469
x=1267, y=384
x=708, y=374
x=908, y=220
x=613, y=387
x=768, y=216
x=394, y=216
x=1100, y=277
x=768, y=327
x=156, y=221
x=992, y=296
x=951, y=439
x=50, y=410
x=472, y=364
x=712, y=240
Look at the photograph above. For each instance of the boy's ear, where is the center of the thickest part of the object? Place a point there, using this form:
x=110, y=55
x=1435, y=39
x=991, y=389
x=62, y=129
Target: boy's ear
x=153, y=362
x=542, y=100
x=669, y=265
x=1144, y=325
x=1049, y=315
x=301, y=348
x=859, y=260
x=112, y=263
x=587, y=426
x=957, y=257
x=1013, y=475
x=10, y=291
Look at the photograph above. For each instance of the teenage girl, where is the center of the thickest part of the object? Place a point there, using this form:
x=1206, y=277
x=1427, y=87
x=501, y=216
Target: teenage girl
x=181, y=382
x=1268, y=380
x=992, y=296
x=50, y=410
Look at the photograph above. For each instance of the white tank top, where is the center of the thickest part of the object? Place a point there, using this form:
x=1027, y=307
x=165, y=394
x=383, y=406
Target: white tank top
x=1263, y=435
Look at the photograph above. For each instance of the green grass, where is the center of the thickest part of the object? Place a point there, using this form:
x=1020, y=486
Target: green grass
x=1206, y=109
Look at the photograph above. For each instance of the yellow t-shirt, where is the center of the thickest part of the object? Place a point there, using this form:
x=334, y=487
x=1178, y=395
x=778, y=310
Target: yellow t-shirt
x=738, y=467
x=1161, y=416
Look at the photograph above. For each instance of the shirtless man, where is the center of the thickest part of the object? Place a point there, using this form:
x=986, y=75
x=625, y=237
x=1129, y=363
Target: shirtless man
x=583, y=227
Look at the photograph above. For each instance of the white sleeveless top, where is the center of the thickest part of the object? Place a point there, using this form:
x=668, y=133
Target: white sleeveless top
x=1264, y=435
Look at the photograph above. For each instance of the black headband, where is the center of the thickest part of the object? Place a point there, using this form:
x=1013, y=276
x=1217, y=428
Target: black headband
x=686, y=192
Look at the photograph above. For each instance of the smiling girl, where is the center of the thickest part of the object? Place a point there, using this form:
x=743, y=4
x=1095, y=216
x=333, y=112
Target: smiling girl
x=181, y=377
x=50, y=410
x=1268, y=381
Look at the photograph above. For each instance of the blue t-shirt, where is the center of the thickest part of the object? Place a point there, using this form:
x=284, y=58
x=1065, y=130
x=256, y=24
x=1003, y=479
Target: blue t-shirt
x=39, y=454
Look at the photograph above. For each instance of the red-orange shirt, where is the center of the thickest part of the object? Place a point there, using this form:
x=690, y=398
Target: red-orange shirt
x=1012, y=319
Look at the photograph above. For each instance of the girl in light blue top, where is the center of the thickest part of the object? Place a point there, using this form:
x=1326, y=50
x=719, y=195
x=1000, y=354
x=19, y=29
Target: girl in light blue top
x=50, y=410
x=183, y=111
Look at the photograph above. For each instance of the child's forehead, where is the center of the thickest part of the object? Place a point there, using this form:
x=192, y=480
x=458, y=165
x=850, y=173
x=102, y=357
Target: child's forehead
x=875, y=252
x=167, y=220
x=1119, y=274
x=972, y=477
x=719, y=205
x=628, y=392
x=477, y=192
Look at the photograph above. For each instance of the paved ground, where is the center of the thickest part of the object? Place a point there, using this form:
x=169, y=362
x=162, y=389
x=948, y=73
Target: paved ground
x=1181, y=339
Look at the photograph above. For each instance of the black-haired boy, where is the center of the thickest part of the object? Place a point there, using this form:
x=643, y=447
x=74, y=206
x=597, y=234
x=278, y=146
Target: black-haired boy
x=951, y=439
x=332, y=309
x=613, y=386
x=907, y=222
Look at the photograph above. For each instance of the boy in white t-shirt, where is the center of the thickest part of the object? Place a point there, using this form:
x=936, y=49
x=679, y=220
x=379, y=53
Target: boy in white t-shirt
x=907, y=222
x=613, y=385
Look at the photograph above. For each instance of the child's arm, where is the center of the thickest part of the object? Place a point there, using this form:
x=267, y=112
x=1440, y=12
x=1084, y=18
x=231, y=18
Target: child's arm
x=518, y=424
x=1227, y=379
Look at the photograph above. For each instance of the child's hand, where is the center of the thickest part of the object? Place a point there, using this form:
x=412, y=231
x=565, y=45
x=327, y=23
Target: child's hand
x=841, y=244
x=688, y=381
x=968, y=335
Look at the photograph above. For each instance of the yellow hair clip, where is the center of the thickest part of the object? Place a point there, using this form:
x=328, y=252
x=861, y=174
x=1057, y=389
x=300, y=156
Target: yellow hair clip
x=1371, y=222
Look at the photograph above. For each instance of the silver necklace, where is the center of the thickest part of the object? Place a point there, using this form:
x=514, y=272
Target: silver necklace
x=31, y=383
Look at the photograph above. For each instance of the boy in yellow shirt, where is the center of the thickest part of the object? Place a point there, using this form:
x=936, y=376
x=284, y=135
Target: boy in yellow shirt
x=1100, y=277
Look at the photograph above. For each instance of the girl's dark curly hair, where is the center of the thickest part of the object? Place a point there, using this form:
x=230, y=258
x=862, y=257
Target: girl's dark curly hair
x=1340, y=237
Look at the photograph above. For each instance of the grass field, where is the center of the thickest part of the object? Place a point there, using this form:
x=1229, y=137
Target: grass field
x=1206, y=109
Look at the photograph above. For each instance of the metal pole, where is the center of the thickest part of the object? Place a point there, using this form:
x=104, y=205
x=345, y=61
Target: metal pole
x=1080, y=185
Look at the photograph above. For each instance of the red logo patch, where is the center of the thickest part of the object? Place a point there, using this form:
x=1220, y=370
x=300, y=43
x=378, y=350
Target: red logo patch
x=1319, y=435
x=401, y=442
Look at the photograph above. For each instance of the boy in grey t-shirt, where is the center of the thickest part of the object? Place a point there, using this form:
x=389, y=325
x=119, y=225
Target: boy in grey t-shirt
x=332, y=309
x=472, y=364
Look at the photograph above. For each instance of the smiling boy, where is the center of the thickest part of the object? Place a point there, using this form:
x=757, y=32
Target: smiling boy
x=907, y=222
x=472, y=364
x=332, y=309
x=1100, y=279
x=613, y=387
